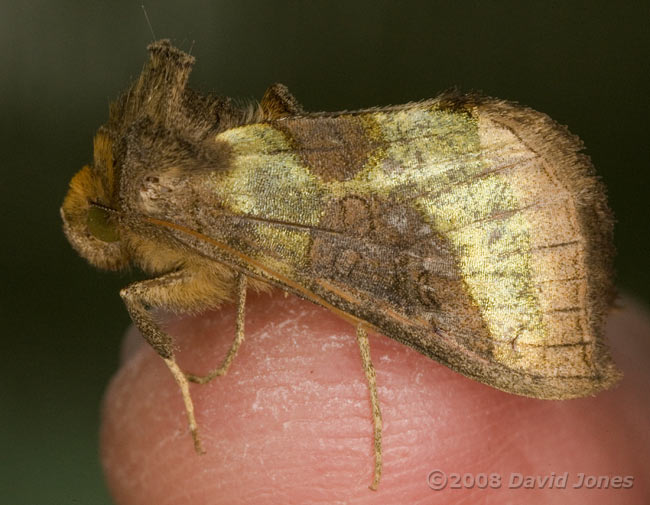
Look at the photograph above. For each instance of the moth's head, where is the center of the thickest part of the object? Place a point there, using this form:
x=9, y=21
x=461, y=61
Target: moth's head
x=90, y=217
x=150, y=125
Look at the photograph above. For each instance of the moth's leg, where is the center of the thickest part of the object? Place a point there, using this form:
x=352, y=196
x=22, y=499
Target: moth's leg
x=139, y=298
x=239, y=337
x=180, y=379
x=369, y=369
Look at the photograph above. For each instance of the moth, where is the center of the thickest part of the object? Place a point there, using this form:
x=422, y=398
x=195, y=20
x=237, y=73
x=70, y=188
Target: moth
x=468, y=228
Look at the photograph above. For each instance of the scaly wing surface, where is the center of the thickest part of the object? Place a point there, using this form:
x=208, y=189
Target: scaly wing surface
x=472, y=231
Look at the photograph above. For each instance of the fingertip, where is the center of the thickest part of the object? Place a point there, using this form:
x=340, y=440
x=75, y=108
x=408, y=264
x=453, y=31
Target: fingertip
x=291, y=421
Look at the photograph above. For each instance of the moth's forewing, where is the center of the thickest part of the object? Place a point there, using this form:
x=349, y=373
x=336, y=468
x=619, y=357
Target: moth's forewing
x=469, y=229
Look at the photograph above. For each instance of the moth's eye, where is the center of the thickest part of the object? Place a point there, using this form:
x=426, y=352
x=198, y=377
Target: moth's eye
x=101, y=225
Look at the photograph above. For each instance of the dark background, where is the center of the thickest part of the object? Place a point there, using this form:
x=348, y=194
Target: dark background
x=585, y=64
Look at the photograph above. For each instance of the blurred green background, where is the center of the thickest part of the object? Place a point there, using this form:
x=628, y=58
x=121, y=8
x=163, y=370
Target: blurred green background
x=583, y=63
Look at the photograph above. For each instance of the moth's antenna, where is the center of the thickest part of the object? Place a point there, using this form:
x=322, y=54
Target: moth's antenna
x=148, y=22
x=191, y=47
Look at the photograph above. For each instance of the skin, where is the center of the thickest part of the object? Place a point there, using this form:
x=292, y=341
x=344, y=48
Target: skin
x=290, y=422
